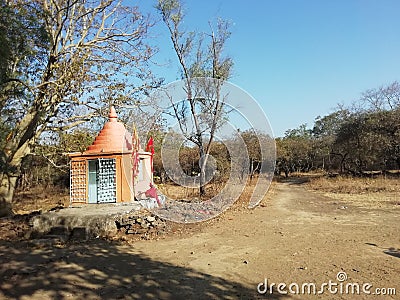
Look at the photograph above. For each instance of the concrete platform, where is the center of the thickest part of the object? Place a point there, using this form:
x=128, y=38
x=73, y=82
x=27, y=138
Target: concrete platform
x=87, y=221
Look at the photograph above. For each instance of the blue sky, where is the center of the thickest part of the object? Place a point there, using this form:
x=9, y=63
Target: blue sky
x=299, y=58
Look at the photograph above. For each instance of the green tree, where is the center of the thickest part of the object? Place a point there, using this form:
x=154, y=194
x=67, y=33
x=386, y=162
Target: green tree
x=368, y=139
x=362, y=137
x=324, y=132
x=388, y=127
x=295, y=151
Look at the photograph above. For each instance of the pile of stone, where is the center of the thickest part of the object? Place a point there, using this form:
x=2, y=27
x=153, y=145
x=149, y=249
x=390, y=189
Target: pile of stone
x=140, y=224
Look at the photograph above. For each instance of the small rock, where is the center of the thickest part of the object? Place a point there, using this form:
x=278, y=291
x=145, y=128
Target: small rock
x=151, y=219
x=130, y=231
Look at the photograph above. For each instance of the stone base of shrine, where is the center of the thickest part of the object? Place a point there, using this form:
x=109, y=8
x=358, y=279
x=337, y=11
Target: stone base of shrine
x=82, y=223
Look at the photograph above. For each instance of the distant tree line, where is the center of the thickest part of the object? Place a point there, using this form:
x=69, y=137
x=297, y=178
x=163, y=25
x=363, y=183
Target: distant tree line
x=48, y=164
x=356, y=140
x=189, y=157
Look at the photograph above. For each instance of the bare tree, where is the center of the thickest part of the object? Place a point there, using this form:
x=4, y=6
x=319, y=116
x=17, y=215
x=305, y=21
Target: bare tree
x=382, y=98
x=79, y=52
x=202, y=111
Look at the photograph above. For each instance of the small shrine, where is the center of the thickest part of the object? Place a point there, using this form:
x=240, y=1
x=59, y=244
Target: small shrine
x=113, y=169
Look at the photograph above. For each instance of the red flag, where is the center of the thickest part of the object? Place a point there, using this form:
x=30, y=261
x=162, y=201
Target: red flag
x=150, y=145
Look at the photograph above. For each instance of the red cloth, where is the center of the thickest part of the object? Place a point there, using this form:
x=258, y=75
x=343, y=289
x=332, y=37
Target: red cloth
x=152, y=193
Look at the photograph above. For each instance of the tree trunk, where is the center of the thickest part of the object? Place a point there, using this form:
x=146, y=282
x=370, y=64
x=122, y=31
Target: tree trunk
x=7, y=188
x=202, y=188
x=9, y=178
x=251, y=169
x=203, y=162
x=9, y=183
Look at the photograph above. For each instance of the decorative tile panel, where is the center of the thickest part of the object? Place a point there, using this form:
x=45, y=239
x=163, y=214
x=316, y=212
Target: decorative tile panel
x=78, y=181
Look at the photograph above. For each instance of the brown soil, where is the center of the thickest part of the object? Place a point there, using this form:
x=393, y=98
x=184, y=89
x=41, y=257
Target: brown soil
x=294, y=236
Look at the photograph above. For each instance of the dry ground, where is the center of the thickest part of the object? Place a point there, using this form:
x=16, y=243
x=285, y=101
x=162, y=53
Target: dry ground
x=297, y=235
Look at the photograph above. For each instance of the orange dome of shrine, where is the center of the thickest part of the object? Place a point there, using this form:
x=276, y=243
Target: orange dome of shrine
x=112, y=138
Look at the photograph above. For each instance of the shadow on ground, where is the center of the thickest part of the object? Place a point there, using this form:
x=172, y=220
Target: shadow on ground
x=389, y=251
x=393, y=252
x=104, y=270
x=293, y=180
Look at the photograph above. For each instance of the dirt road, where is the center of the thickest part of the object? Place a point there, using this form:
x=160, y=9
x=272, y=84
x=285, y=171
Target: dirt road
x=295, y=237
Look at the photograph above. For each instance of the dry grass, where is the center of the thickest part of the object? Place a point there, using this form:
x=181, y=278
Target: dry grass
x=181, y=193
x=176, y=192
x=351, y=185
x=372, y=193
x=40, y=198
